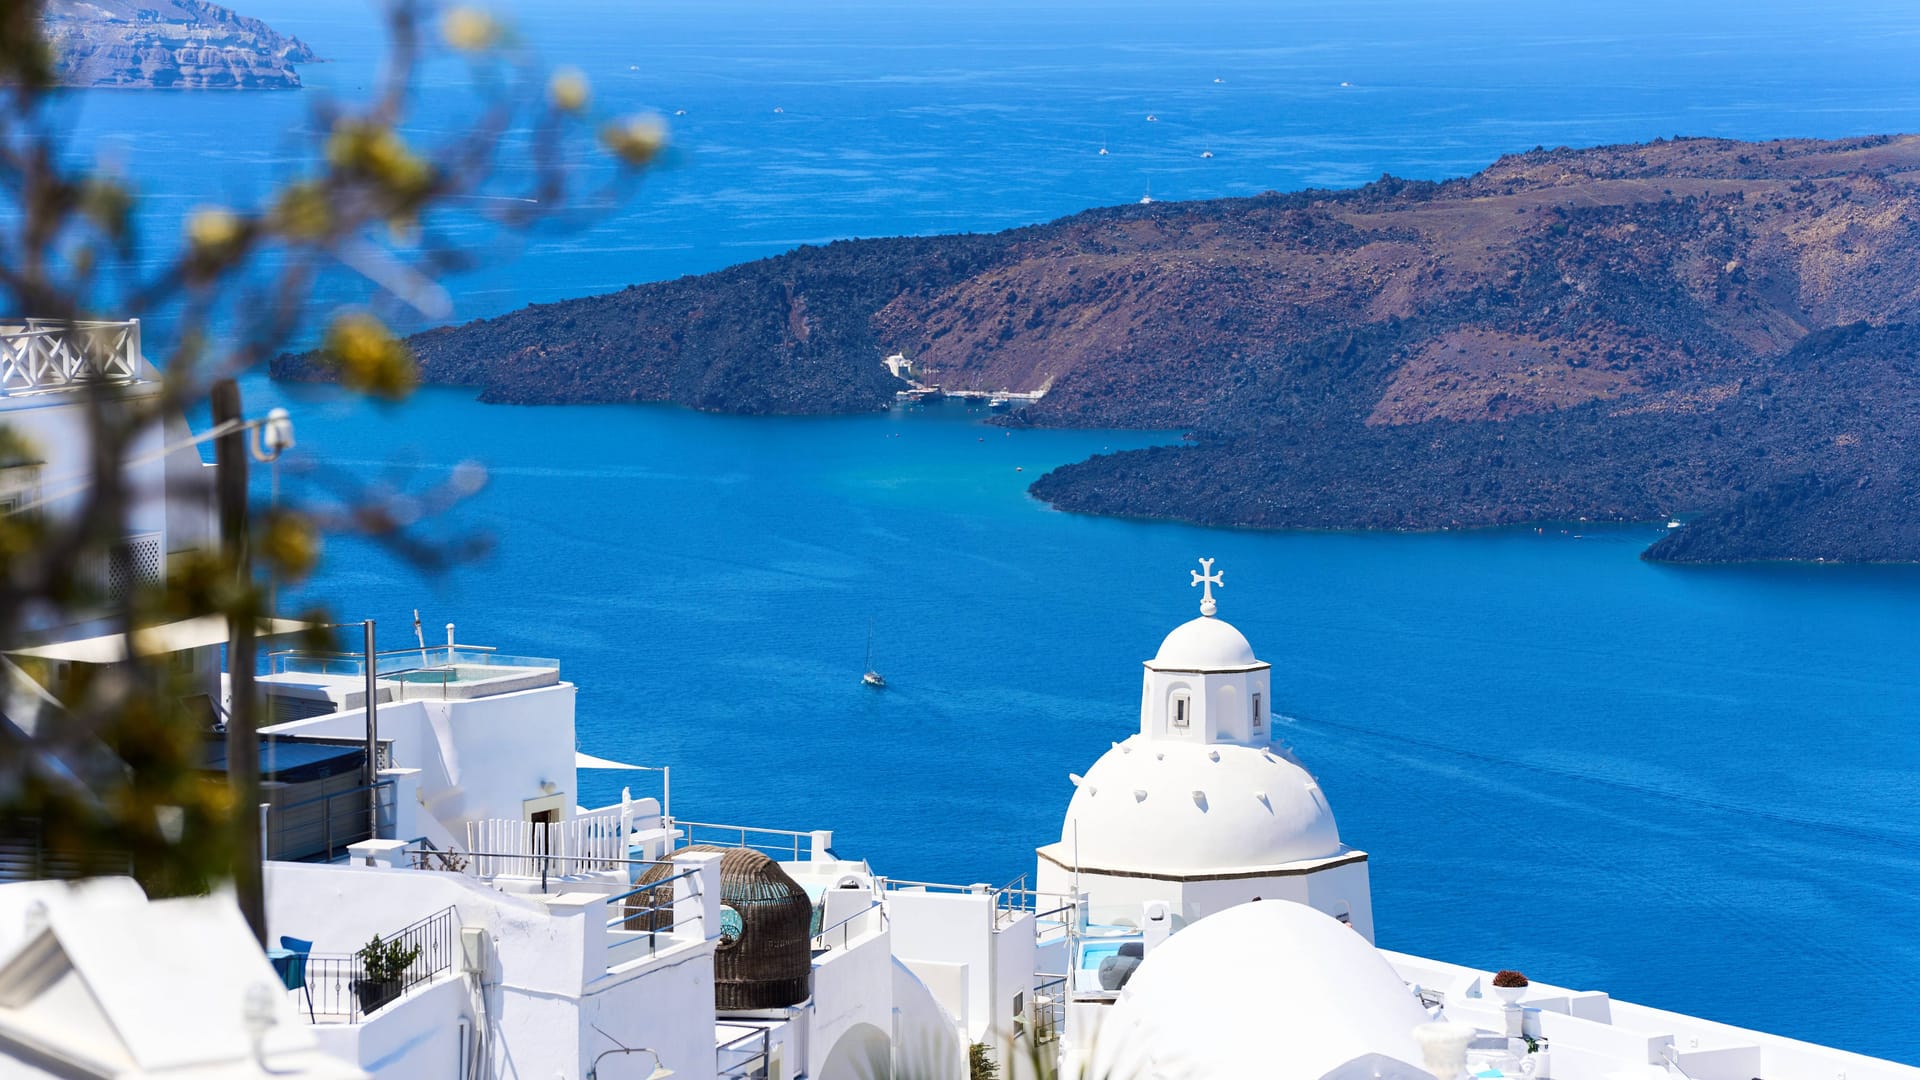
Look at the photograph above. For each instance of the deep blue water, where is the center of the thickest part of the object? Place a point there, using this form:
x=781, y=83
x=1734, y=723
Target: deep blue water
x=1692, y=788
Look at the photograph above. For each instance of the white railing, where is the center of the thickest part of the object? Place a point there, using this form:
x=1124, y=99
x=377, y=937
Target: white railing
x=44, y=355
x=583, y=844
x=648, y=912
x=745, y=1058
x=1010, y=901
x=851, y=927
x=778, y=844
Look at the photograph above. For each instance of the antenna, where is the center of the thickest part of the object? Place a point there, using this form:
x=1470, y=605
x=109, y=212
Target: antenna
x=420, y=637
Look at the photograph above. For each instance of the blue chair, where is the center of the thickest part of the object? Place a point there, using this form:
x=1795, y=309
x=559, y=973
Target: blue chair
x=293, y=968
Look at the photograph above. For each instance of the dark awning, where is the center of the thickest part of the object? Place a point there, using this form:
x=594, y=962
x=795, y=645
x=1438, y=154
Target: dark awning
x=293, y=761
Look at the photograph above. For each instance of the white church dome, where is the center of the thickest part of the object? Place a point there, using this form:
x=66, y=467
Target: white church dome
x=1190, y=808
x=1270, y=989
x=1204, y=644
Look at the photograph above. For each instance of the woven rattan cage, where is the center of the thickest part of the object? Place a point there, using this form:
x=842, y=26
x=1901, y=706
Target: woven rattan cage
x=765, y=957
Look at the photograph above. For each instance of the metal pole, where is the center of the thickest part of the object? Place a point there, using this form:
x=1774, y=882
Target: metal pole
x=373, y=737
x=243, y=738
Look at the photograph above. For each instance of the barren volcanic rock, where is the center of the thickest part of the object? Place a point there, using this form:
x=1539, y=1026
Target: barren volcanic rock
x=169, y=44
x=1704, y=327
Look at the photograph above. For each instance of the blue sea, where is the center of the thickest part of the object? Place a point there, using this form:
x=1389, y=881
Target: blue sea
x=1698, y=788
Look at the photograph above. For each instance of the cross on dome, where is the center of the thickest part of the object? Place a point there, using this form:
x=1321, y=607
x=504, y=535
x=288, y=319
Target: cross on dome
x=1208, y=580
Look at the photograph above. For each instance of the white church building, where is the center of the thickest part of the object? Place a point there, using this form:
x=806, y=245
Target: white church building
x=1197, y=811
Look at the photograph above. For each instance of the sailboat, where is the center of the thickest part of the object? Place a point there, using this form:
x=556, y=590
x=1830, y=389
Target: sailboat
x=872, y=678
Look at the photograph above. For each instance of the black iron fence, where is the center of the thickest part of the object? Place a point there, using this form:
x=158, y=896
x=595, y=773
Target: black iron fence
x=346, y=989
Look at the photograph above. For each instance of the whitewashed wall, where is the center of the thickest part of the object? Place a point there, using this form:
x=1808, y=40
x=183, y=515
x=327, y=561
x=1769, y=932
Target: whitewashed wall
x=478, y=758
x=544, y=984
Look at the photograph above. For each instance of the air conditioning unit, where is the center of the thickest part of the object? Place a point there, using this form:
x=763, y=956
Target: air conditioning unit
x=474, y=944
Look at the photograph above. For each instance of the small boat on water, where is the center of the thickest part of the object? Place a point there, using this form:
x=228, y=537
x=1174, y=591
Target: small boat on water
x=998, y=401
x=1206, y=153
x=872, y=678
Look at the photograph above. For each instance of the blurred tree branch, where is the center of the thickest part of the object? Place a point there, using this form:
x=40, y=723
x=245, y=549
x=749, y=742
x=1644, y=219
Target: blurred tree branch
x=108, y=757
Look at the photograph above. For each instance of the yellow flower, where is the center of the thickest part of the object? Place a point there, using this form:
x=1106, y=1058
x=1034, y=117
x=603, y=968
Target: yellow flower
x=368, y=357
x=470, y=29
x=290, y=544
x=303, y=212
x=377, y=152
x=635, y=140
x=567, y=89
x=213, y=228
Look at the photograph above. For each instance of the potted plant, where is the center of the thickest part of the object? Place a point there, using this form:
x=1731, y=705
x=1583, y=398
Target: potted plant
x=383, y=967
x=1510, y=985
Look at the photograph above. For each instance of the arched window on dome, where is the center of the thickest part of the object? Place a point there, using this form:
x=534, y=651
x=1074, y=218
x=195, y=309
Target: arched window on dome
x=1180, y=710
x=1259, y=714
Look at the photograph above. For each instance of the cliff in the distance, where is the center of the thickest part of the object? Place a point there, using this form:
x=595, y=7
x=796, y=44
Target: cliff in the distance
x=1718, y=329
x=168, y=44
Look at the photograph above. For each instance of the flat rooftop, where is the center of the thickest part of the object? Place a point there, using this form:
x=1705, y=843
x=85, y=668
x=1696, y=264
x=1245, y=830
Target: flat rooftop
x=440, y=673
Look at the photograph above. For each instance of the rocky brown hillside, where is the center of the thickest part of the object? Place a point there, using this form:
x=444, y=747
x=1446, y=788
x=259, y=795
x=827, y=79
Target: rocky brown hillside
x=1696, y=326
x=168, y=44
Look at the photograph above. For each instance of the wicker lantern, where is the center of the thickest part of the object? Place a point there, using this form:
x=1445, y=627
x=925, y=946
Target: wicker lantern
x=765, y=956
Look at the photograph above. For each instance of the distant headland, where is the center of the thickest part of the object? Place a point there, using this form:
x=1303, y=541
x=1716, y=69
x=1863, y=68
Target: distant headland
x=1725, y=331
x=168, y=44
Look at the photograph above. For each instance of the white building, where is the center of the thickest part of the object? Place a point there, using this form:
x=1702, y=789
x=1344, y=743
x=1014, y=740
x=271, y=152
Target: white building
x=1199, y=917
x=1197, y=811
x=52, y=378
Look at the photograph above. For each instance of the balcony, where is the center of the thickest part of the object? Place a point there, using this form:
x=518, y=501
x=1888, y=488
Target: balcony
x=40, y=356
x=334, y=989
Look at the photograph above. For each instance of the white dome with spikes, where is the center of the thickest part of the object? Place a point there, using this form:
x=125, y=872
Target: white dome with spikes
x=1183, y=808
x=1199, y=790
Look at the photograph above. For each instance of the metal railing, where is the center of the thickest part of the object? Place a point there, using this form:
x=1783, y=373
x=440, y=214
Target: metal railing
x=328, y=826
x=788, y=844
x=1049, y=1007
x=398, y=661
x=822, y=940
x=338, y=986
x=745, y=1058
x=1010, y=901
x=423, y=854
x=45, y=354
x=643, y=914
